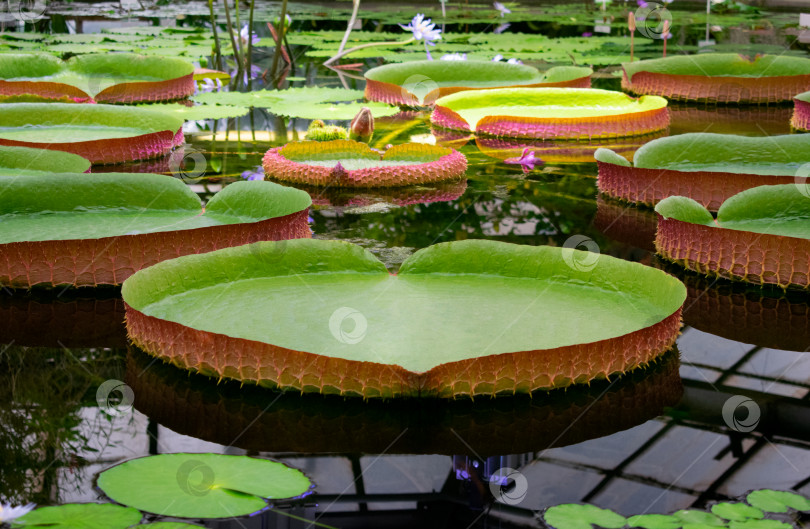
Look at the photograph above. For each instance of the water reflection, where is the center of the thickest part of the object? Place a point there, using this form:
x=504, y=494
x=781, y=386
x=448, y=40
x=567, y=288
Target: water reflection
x=289, y=422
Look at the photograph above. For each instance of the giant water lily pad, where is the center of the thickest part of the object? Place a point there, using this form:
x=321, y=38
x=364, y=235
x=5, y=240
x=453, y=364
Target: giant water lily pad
x=801, y=112
x=105, y=78
x=708, y=168
x=27, y=161
x=92, y=229
x=419, y=83
x=551, y=113
x=80, y=516
x=348, y=163
x=100, y=133
x=720, y=77
x=761, y=236
x=201, y=485
x=462, y=318
x=557, y=151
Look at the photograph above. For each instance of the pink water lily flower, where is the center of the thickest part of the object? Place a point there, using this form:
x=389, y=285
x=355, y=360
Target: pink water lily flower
x=527, y=160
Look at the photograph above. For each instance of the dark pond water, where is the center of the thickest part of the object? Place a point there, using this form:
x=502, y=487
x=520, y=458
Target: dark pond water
x=653, y=441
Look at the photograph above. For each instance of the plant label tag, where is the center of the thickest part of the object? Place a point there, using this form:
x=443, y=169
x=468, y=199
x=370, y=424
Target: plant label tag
x=804, y=20
x=704, y=43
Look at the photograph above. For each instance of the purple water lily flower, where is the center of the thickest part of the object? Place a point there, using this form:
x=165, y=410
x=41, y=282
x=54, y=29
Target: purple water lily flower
x=454, y=57
x=244, y=35
x=500, y=29
x=587, y=34
x=642, y=3
x=527, y=160
x=502, y=9
x=256, y=174
x=422, y=29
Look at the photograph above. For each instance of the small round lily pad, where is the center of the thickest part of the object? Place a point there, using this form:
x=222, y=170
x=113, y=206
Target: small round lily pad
x=202, y=485
x=80, y=516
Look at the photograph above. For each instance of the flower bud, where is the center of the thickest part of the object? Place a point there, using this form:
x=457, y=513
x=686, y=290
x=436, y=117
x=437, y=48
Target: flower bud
x=362, y=127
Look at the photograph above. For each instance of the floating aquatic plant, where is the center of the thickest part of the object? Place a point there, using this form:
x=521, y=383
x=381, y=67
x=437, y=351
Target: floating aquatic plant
x=761, y=236
x=308, y=102
x=92, y=229
x=732, y=515
x=320, y=131
x=27, y=161
x=80, y=516
x=551, y=113
x=406, y=335
x=102, y=134
x=103, y=78
x=420, y=83
x=202, y=485
x=720, y=77
x=708, y=168
x=348, y=163
x=801, y=112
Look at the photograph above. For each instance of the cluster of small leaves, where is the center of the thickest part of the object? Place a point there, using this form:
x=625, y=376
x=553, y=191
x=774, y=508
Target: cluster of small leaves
x=307, y=102
x=757, y=513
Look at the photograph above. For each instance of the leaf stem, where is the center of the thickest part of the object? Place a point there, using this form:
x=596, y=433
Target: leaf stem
x=368, y=45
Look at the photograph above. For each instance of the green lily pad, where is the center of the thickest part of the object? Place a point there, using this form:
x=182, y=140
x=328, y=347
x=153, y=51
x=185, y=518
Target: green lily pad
x=98, y=205
x=778, y=501
x=305, y=102
x=702, y=151
x=576, y=516
x=410, y=332
x=693, y=517
x=101, y=76
x=537, y=113
x=736, y=511
x=198, y=112
x=720, y=77
x=775, y=210
x=201, y=485
x=116, y=223
x=710, y=167
x=100, y=133
x=422, y=82
x=167, y=525
x=27, y=161
x=80, y=516
x=759, y=524
x=654, y=521
x=722, y=65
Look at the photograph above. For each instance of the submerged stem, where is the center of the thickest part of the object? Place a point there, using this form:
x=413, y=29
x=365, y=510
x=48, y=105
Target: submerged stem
x=368, y=45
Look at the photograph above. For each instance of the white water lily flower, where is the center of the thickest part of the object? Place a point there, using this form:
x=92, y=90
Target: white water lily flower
x=497, y=58
x=9, y=513
x=502, y=9
x=514, y=61
x=454, y=57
